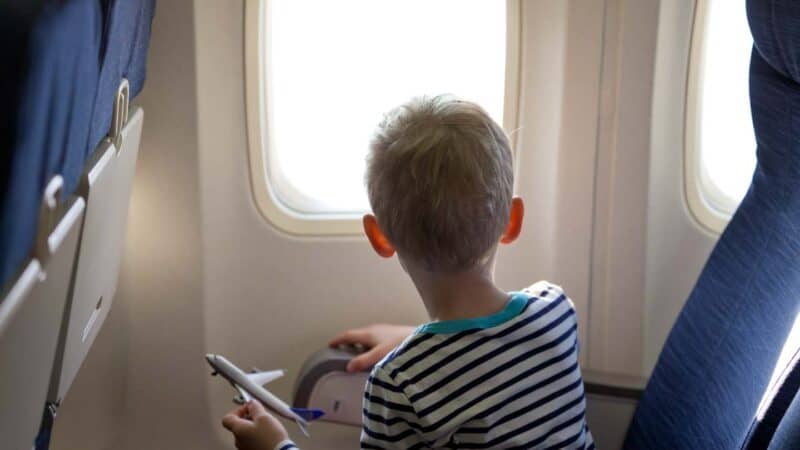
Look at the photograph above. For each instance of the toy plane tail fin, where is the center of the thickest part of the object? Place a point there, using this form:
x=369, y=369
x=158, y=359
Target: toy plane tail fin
x=308, y=414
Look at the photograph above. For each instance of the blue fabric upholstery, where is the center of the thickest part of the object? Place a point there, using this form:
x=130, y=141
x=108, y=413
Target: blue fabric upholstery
x=58, y=81
x=787, y=437
x=720, y=355
x=49, y=79
x=125, y=56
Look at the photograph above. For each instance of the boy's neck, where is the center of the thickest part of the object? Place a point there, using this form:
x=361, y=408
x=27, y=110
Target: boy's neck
x=463, y=295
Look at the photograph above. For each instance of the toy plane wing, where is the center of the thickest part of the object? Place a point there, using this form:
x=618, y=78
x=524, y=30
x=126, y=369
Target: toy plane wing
x=262, y=378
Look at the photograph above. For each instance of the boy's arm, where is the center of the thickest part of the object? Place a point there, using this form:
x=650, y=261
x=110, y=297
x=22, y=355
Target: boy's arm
x=378, y=339
x=389, y=420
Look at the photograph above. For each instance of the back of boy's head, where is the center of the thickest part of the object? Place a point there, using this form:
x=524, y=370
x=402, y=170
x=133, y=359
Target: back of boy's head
x=440, y=182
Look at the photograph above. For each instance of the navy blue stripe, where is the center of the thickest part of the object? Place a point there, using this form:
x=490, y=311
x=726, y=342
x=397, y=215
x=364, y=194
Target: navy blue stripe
x=391, y=421
x=383, y=385
x=368, y=446
x=580, y=416
x=387, y=438
x=591, y=446
x=288, y=446
x=400, y=350
x=497, y=352
x=500, y=369
x=570, y=440
x=527, y=427
x=432, y=349
x=391, y=405
x=522, y=410
x=478, y=342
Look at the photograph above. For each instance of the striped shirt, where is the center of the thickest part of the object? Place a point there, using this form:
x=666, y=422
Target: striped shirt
x=506, y=381
x=509, y=380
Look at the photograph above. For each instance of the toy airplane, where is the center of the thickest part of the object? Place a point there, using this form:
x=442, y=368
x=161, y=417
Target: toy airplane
x=249, y=386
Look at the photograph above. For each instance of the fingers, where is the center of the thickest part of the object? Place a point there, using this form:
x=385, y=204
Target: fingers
x=366, y=360
x=241, y=412
x=255, y=409
x=233, y=423
x=239, y=417
x=254, y=428
x=351, y=337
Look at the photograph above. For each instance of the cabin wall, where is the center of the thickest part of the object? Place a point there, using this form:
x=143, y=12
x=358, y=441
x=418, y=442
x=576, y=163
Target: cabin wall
x=677, y=244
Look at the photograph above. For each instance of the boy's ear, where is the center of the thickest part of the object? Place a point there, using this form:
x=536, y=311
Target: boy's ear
x=514, y=226
x=376, y=237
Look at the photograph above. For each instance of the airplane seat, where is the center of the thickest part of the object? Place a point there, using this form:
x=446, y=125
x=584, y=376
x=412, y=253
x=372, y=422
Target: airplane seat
x=714, y=377
x=56, y=67
x=787, y=434
x=49, y=80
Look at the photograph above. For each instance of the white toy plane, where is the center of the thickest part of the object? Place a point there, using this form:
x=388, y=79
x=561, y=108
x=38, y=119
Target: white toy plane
x=249, y=386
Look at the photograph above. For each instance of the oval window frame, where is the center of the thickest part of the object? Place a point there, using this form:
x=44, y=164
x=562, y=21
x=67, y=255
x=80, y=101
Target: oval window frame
x=708, y=204
x=265, y=194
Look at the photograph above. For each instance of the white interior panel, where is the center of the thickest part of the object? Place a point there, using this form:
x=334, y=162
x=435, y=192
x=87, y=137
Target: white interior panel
x=106, y=187
x=30, y=321
x=677, y=245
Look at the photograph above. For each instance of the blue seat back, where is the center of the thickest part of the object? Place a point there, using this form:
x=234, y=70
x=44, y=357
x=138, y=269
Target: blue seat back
x=127, y=37
x=49, y=78
x=57, y=88
x=720, y=356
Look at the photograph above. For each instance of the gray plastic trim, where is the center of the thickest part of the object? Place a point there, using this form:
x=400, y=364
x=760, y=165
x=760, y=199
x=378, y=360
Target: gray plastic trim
x=317, y=366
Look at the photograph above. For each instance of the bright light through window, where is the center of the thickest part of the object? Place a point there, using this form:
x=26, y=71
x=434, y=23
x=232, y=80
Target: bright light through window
x=334, y=67
x=727, y=142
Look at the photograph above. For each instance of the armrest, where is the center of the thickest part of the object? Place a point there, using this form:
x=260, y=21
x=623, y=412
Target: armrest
x=613, y=385
x=611, y=400
x=324, y=383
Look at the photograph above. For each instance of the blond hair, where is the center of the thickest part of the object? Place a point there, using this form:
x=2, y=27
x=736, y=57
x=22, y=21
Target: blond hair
x=440, y=182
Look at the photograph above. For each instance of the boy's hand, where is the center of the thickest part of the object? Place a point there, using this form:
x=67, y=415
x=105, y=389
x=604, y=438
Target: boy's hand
x=254, y=428
x=379, y=339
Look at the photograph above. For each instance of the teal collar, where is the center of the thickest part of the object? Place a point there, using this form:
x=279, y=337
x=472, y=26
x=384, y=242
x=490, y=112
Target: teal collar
x=514, y=306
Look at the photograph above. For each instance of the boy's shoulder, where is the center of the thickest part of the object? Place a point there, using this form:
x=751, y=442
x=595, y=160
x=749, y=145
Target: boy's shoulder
x=400, y=356
x=546, y=292
x=543, y=298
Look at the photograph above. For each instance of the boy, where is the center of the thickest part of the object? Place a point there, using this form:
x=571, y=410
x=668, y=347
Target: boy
x=493, y=370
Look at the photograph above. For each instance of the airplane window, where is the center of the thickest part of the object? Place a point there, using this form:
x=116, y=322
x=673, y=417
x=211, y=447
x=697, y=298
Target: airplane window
x=725, y=129
x=333, y=69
